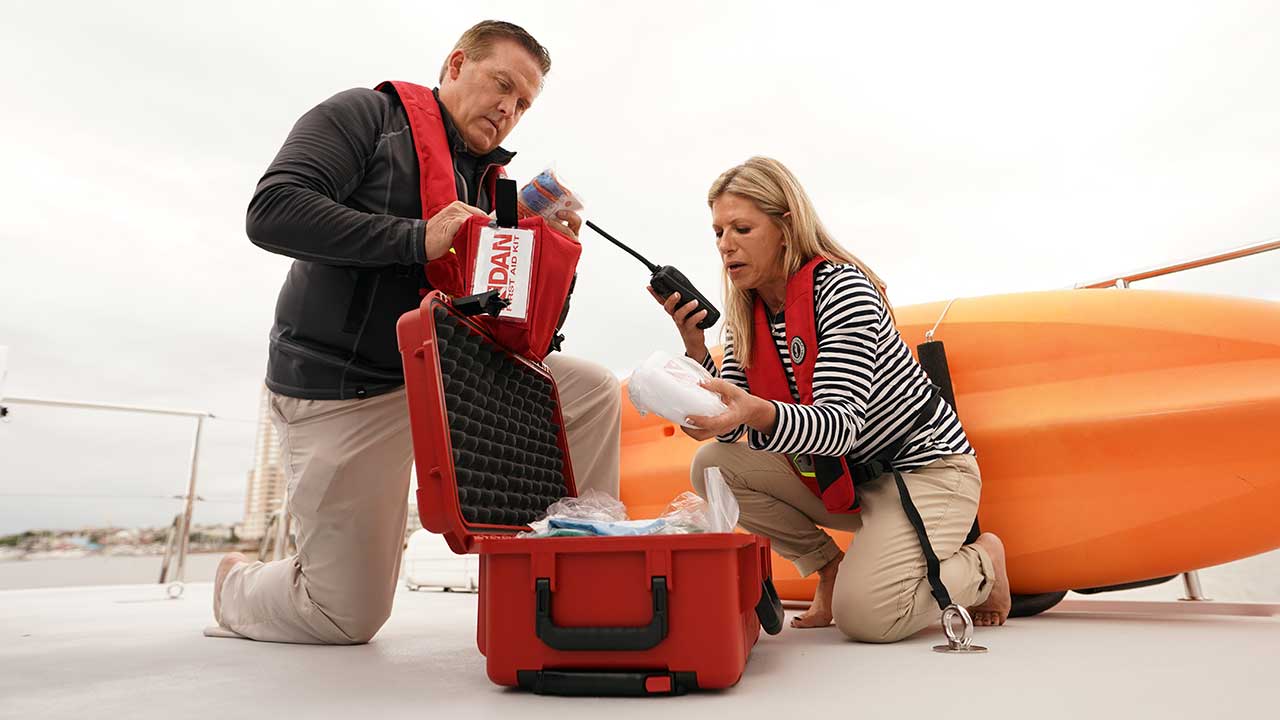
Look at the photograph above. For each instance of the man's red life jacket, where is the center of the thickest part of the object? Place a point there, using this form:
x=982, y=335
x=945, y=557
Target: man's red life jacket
x=555, y=256
x=829, y=478
x=437, y=186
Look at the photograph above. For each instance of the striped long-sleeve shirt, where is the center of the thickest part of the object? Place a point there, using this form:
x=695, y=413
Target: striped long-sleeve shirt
x=867, y=388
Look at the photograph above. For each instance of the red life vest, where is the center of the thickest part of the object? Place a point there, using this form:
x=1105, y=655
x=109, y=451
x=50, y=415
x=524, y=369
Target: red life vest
x=833, y=479
x=555, y=255
x=829, y=478
x=436, y=186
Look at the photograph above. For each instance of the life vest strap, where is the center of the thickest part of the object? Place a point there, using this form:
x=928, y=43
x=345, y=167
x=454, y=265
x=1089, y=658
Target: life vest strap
x=881, y=464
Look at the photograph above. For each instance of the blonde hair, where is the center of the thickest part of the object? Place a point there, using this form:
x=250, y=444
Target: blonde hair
x=776, y=192
x=477, y=43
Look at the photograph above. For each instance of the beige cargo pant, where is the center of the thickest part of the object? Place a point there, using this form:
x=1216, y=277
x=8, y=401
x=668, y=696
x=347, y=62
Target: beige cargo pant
x=347, y=465
x=882, y=593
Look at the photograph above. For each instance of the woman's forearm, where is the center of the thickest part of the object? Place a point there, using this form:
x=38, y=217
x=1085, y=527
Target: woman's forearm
x=762, y=416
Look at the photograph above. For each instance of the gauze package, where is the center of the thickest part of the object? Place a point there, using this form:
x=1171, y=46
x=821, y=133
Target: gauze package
x=669, y=387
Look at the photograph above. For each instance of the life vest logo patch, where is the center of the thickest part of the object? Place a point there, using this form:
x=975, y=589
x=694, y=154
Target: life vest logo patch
x=798, y=351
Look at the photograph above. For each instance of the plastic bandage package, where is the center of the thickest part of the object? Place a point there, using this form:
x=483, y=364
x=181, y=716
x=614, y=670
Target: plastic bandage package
x=670, y=387
x=545, y=195
x=598, y=514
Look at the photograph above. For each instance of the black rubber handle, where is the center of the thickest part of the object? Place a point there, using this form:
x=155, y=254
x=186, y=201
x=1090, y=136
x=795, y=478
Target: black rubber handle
x=588, y=683
x=668, y=280
x=602, y=638
x=769, y=609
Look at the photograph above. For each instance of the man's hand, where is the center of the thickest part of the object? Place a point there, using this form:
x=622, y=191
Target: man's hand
x=570, y=223
x=744, y=409
x=444, y=225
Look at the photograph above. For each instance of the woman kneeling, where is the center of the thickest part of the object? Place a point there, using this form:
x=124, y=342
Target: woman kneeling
x=844, y=429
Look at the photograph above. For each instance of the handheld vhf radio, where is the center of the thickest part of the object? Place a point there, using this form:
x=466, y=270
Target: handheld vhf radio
x=666, y=280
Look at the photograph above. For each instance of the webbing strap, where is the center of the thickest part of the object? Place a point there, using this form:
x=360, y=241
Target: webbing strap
x=504, y=205
x=934, y=568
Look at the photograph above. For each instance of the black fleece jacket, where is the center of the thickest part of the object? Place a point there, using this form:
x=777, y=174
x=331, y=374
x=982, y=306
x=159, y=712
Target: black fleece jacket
x=342, y=199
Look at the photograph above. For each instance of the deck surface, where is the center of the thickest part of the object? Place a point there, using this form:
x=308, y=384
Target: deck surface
x=125, y=651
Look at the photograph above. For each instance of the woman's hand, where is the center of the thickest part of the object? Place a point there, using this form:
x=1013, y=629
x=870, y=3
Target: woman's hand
x=744, y=409
x=695, y=340
x=697, y=433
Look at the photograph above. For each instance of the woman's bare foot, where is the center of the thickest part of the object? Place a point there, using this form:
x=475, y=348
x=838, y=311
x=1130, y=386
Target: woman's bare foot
x=225, y=566
x=819, y=613
x=996, y=609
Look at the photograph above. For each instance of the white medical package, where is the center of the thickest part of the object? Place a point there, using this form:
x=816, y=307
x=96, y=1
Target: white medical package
x=669, y=387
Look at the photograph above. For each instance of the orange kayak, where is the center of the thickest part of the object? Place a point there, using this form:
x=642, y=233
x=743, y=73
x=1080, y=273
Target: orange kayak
x=1122, y=434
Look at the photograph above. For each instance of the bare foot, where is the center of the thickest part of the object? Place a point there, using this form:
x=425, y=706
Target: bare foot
x=996, y=609
x=819, y=613
x=225, y=566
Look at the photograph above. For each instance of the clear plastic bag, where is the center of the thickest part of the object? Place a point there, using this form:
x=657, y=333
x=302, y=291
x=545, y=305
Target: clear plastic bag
x=722, y=505
x=686, y=514
x=591, y=506
x=670, y=387
x=597, y=514
x=547, y=195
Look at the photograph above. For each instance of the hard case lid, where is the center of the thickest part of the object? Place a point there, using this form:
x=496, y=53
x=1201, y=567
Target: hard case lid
x=488, y=435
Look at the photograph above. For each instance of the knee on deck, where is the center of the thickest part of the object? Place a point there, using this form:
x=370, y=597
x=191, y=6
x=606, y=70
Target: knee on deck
x=359, y=628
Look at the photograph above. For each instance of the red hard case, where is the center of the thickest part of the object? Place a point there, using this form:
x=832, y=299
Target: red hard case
x=649, y=615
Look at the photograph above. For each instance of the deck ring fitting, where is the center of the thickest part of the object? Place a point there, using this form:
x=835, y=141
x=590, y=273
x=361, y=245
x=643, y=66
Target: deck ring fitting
x=174, y=590
x=962, y=643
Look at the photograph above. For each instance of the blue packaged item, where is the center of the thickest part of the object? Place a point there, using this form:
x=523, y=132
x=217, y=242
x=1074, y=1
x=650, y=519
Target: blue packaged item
x=602, y=527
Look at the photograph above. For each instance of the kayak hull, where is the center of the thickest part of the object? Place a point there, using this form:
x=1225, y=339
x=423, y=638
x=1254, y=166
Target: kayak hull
x=1122, y=435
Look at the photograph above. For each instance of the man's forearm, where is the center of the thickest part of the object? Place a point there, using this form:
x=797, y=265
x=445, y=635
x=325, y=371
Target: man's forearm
x=301, y=223
x=298, y=207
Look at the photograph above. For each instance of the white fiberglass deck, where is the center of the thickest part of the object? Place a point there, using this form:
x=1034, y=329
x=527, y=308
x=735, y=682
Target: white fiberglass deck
x=127, y=652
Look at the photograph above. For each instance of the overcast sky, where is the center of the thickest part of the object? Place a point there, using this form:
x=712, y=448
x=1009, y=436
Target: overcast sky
x=959, y=148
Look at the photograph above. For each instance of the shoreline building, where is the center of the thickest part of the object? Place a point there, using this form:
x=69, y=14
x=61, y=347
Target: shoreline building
x=266, y=488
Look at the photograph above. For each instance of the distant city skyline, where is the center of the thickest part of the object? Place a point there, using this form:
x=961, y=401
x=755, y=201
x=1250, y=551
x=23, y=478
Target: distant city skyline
x=265, y=490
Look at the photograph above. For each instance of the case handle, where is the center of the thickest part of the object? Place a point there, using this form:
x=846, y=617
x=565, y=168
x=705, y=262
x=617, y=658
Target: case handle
x=602, y=638
x=769, y=610
x=607, y=683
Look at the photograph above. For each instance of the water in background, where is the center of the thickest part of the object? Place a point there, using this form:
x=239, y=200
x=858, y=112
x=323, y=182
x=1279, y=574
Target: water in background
x=1255, y=579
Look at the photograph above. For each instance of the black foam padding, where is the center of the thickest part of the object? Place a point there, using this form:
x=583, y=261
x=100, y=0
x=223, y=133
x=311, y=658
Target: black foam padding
x=507, y=462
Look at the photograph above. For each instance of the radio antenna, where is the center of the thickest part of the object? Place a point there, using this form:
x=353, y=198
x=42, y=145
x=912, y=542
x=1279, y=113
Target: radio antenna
x=652, y=268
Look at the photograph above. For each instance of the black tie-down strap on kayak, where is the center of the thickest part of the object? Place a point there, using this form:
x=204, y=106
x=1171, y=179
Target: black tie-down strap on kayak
x=933, y=358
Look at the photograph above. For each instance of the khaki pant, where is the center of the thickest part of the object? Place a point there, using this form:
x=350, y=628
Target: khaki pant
x=882, y=593
x=347, y=465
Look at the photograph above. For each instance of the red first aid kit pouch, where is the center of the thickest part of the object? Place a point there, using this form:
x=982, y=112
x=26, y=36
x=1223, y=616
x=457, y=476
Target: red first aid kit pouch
x=648, y=615
x=527, y=262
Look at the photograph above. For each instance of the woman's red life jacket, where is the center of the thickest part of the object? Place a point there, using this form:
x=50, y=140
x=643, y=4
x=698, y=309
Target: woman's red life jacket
x=554, y=256
x=829, y=478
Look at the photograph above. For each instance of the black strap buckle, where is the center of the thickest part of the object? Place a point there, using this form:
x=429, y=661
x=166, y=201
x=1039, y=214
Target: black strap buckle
x=490, y=303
